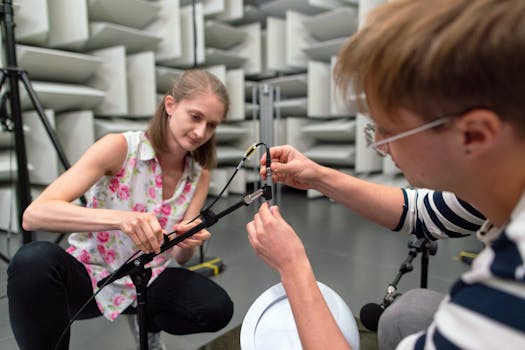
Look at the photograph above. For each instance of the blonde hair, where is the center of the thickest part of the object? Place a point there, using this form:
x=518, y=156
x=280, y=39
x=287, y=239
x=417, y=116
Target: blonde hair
x=437, y=57
x=188, y=85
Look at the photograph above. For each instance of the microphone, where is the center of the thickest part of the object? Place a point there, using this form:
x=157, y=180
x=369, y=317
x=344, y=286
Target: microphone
x=371, y=312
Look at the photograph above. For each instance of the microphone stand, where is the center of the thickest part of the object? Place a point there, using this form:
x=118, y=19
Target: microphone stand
x=141, y=275
x=370, y=313
x=426, y=247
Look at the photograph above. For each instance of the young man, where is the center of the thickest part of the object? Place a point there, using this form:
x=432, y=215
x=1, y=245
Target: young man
x=444, y=82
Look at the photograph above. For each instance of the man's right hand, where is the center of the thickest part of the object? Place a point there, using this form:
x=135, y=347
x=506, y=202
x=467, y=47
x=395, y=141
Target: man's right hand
x=291, y=167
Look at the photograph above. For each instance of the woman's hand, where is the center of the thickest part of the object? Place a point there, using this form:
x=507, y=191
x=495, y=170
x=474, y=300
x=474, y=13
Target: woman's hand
x=144, y=230
x=194, y=240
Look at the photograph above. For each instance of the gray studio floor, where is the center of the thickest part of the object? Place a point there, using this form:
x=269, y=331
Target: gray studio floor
x=355, y=258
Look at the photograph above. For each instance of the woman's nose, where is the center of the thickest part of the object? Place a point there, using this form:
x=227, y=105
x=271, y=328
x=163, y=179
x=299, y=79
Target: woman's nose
x=200, y=129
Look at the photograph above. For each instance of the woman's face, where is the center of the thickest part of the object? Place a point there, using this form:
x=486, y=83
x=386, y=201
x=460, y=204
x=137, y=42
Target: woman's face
x=192, y=122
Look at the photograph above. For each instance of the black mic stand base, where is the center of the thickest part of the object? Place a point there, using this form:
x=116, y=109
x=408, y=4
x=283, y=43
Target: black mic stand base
x=140, y=279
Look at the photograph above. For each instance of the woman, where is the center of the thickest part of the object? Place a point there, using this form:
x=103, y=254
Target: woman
x=140, y=186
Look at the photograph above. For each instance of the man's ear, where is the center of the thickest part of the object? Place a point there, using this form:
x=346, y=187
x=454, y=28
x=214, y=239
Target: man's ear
x=169, y=104
x=480, y=128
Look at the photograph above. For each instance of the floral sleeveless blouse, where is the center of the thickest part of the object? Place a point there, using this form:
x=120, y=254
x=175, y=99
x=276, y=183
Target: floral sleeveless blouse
x=137, y=187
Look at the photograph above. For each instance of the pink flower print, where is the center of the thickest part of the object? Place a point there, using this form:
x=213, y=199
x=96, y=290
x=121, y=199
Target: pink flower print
x=165, y=209
x=123, y=192
x=113, y=315
x=132, y=162
x=114, y=185
x=101, y=249
x=94, y=202
x=110, y=256
x=159, y=260
x=157, y=210
x=151, y=192
x=85, y=257
x=139, y=207
x=71, y=249
x=163, y=221
x=158, y=180
x=153, y=165
x=118, y=300
x=187, y=187
x=181, y=199
x=103, y=236
x=93, y=282
x=120, y=173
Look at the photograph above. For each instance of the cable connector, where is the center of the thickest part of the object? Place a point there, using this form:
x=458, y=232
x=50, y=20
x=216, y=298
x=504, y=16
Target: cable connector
x=269, y=182
x=247, y=155
x=267, y=193
x=249, y=198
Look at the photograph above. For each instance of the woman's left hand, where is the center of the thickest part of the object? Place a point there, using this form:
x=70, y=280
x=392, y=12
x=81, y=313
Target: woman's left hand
x=194, y=240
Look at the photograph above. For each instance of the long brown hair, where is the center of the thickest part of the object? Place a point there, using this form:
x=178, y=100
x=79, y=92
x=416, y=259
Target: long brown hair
x=188, y=85
x=438, y=57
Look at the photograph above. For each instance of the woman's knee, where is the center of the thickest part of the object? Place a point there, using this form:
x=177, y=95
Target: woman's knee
x=33, y=259
x=223, y=313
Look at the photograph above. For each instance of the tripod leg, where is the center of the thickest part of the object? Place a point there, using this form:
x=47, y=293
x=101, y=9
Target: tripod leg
x=49, y=129
x=4, y=258
x=2, y=80
x=50, y=132
x=23, y=184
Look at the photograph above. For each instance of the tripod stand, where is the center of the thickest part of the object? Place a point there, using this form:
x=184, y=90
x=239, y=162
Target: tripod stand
x=12, y=119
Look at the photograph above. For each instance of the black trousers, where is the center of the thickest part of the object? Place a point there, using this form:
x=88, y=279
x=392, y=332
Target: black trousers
x=47, y=286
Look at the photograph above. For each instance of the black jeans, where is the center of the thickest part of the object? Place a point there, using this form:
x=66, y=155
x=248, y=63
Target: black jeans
x=47, y=286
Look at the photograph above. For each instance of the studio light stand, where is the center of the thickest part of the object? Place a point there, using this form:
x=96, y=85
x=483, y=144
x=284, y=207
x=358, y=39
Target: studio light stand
x=11, y=116
x=141, y=275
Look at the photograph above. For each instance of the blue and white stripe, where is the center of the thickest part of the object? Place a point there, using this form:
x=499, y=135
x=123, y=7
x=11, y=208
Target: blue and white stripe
x=438, y=215
x=485, y=309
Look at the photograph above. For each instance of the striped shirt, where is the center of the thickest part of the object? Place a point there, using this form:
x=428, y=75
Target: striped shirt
x=485, y=308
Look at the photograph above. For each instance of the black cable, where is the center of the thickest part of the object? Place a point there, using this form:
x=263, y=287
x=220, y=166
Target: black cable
x=74, y=318
x=246, y=156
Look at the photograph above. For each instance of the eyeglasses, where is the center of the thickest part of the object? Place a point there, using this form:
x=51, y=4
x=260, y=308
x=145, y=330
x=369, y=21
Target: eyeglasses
x=370, y=134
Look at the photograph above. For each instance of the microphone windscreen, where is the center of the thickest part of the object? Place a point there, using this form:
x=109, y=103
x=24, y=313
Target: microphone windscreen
x=369, y=315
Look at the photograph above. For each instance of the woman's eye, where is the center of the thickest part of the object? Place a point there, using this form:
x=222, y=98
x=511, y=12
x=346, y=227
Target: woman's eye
x=196, y=117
